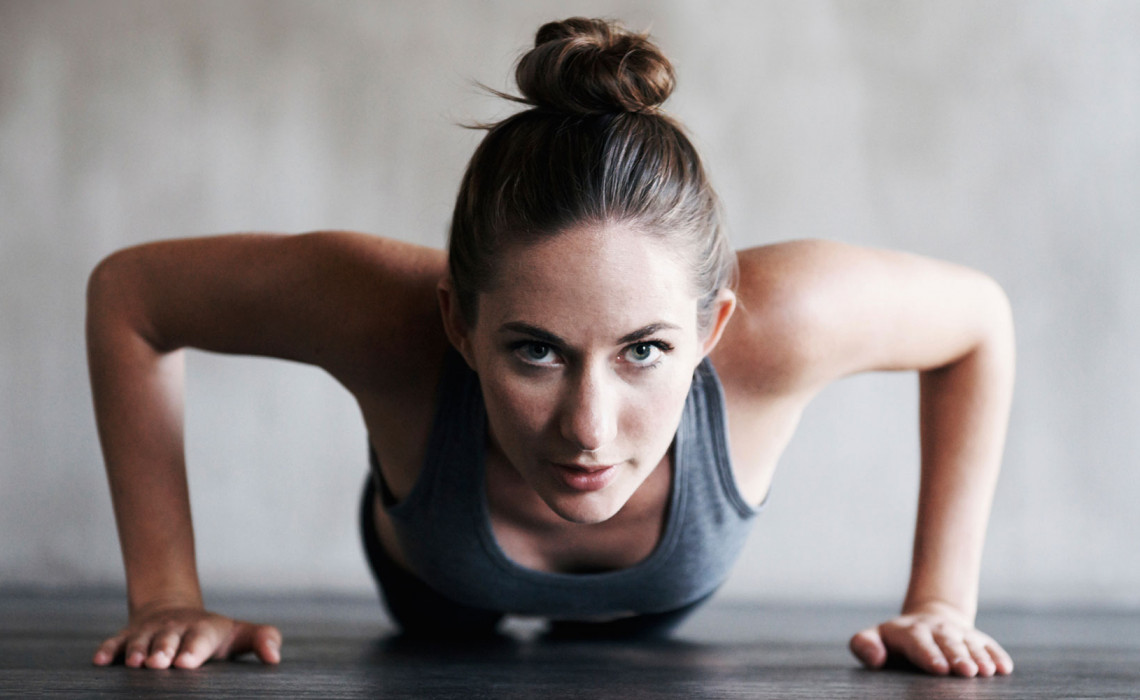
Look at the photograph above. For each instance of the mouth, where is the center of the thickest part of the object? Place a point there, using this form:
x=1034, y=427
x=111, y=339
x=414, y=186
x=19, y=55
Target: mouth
x=585, y=478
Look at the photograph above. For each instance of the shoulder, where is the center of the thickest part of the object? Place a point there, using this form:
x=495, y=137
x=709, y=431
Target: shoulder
x=383, y=299
x=772, y=342
x=358, y=306
x=812, y=311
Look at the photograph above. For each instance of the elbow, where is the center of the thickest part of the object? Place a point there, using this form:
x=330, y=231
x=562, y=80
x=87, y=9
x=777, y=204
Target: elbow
x=985, y=336
x=995, y=347
x=108, y=286
x=999, y=317
x=98, y=282
x=113, y=298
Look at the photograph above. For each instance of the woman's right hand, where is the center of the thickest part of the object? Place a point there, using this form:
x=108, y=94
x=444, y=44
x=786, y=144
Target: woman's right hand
x=186, y=637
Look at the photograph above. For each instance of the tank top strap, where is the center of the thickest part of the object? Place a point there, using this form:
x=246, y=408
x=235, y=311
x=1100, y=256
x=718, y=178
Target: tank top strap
x=457, y=437
x=707, y=419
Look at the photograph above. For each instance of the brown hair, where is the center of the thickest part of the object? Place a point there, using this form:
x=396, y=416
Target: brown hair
x=592, y=148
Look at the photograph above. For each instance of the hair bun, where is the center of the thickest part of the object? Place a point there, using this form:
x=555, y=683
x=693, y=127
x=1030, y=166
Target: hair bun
x=593, y=66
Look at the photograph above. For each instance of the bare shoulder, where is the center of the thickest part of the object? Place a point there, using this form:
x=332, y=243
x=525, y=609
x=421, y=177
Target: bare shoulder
x=812, y=311
x=383, y=294
x=769, y=344
x=359, y=306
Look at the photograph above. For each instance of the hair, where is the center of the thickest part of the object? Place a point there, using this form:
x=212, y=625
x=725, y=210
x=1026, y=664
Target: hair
x=593, y=148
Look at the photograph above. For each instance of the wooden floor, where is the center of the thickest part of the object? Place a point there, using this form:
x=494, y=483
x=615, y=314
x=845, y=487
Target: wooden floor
x=342, y=648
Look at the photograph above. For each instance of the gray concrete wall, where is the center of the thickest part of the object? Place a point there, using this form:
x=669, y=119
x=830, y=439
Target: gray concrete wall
x=1004, y=135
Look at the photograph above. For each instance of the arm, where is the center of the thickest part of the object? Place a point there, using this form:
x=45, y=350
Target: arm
x=964, y=408
x=325, y=299
x=848, y=310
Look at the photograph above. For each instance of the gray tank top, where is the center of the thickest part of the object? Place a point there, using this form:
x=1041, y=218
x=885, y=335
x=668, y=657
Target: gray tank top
x=445, y=531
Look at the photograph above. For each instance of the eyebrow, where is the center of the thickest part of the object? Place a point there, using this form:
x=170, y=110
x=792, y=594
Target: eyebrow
x=546, y=336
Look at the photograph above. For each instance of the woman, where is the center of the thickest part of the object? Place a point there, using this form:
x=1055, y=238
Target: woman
x=577, y=410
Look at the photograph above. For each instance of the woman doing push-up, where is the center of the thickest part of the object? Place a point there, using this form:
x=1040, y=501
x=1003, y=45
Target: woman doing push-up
x=575, y=411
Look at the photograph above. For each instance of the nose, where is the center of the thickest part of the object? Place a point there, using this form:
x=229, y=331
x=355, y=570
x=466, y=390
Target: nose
x=589, y=417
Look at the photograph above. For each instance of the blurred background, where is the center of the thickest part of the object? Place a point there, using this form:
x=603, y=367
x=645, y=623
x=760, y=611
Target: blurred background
x=1004, y=136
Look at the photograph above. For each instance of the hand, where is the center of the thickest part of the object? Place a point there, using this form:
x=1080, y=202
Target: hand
x=186, y=637
x=936, y=638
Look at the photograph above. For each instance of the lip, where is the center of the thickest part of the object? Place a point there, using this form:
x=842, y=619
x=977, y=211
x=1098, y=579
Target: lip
x=585, y=478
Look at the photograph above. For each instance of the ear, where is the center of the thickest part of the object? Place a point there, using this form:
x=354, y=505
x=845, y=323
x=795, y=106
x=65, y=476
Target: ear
x=453, y=322
x=723, y=306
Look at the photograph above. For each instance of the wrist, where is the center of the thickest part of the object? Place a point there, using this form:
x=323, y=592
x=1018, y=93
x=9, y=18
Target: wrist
x=143, y=602
x=961, y=614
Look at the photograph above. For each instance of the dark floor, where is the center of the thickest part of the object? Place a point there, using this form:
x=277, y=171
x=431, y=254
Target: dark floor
x=342, y=648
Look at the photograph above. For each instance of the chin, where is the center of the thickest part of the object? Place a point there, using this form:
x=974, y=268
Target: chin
x=583, y=509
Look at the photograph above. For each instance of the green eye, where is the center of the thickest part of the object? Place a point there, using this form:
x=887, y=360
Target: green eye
x=643, y=353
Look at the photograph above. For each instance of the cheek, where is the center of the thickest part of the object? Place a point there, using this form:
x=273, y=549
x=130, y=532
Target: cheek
x=516, y=412
x=651, y=416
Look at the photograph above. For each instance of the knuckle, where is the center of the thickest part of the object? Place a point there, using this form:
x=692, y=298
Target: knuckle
x=921, y=629
x=196, y=645
x=201, y=633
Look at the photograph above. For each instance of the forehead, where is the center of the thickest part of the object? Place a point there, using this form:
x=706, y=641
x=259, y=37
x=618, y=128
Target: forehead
x=611, y=275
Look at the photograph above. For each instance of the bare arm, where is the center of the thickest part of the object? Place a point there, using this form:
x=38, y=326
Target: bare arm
x=847, y=310
x=332, y=300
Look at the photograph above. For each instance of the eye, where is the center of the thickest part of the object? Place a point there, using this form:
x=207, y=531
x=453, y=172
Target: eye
x=535, y=353
x=643, y=354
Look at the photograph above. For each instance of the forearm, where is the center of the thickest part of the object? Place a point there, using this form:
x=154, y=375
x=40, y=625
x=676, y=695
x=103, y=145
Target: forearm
x=964, y=414
x=137, y=392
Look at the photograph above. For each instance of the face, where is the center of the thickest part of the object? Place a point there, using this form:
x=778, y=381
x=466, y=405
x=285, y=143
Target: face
x=585, y=351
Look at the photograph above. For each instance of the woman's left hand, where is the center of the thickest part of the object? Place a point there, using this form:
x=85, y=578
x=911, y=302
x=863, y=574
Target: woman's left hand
x=936, y=638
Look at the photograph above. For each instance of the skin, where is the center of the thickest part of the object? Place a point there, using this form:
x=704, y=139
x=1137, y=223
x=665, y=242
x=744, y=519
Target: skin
x=563, y=372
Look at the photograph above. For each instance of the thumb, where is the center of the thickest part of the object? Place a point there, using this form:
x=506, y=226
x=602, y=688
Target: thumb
x=868, y=647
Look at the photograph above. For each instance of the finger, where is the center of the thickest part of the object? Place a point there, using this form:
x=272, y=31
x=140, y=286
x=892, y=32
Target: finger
x=981, y=656
x=917, y=644
x=267, y=644
x=137, y=648
x=198, y=644
x=956, y=652
x=868, y=647
x=109, y=649
x=162, y=648
x=1002, y=660
x=263, y=640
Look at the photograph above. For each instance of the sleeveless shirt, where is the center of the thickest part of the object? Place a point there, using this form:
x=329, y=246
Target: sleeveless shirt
x=445, y=532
